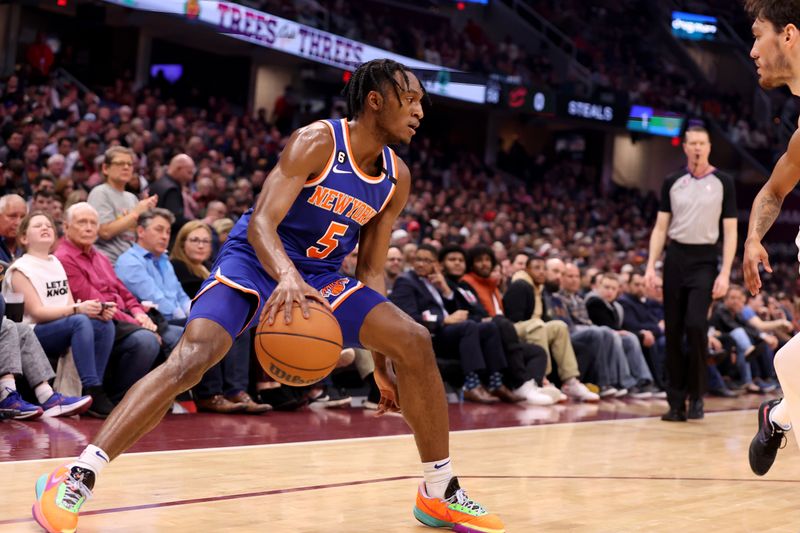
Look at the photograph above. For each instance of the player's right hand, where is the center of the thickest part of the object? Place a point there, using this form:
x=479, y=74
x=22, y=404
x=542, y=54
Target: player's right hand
x=291, y=288
x=754, y=254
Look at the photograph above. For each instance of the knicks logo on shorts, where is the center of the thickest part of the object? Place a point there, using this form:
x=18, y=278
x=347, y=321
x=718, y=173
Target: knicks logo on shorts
x=336, y=288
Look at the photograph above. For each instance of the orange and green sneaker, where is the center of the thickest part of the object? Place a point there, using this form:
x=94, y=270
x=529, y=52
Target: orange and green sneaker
x=456, y=511
x=59, y=497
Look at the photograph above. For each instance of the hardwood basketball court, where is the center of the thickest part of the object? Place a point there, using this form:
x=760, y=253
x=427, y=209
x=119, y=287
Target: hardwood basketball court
x=628, y=473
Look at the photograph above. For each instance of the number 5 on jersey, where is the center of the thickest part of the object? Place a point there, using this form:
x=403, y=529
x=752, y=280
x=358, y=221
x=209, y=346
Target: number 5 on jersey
x=328, y=242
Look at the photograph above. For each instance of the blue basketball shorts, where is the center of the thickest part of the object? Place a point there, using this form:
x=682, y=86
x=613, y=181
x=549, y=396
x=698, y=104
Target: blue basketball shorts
x=238, y=287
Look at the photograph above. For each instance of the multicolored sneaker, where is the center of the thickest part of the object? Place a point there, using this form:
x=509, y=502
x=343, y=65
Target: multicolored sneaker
x=456, y=511
x=60, y=405
x=59, y=497
x=14, y=402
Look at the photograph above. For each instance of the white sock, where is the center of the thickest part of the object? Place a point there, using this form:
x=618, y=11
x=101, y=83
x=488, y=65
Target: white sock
x=43, y=392
x=92, y=458
x=779, y=415
x=7, y=386
x=437, y=479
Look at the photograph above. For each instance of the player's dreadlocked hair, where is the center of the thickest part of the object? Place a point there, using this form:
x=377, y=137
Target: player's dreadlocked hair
x=778, y=12
x=371, y=76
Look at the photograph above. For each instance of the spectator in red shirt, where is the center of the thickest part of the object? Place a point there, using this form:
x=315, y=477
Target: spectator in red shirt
x=91, y=277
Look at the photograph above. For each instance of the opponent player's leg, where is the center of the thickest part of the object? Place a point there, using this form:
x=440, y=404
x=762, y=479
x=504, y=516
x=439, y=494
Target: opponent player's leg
x=775, y=416
x=440, y=500
x=206, y=339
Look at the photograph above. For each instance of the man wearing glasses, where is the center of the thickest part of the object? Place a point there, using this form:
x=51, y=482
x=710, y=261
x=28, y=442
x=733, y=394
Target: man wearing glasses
x=118, y=209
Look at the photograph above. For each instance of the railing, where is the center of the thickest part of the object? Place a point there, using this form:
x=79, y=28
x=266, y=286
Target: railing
x=62, y=77
x=554, y=37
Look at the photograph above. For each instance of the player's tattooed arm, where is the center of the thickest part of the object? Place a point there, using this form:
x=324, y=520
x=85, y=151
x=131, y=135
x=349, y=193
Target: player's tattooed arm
x=767, y=204
x=766, y=208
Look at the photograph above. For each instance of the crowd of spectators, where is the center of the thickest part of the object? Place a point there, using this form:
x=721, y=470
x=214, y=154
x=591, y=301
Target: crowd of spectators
x=636, y=66
x=125, y=176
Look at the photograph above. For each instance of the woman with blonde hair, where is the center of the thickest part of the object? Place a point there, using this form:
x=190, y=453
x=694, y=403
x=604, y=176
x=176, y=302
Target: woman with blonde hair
x=189, y=255
x=223, y=226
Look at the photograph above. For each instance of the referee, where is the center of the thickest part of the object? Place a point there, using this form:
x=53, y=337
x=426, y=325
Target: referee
x=693, y=202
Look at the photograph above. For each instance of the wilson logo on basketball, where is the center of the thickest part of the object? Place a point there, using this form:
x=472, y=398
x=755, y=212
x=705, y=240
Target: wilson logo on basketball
x=336, y=288
x=285, y=377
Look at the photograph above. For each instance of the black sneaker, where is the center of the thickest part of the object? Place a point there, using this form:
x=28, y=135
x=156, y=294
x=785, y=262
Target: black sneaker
x=674, y=415
x=284, y=398
x=332, y=397
x=768, y=440
x=101, y=404
x=695, y=409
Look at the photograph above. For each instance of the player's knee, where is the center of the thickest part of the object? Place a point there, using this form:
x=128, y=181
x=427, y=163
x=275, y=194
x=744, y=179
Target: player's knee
x=420, y=337
x=188, y=362
x=413, y=343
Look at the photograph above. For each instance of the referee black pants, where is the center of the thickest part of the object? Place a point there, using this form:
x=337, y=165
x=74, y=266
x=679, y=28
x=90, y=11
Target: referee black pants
x=689, y=273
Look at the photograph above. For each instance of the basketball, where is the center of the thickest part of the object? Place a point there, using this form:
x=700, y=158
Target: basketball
x=302, y=352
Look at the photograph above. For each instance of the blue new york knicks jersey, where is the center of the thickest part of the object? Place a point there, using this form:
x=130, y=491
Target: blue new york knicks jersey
x=320, y=229
x=323, y=224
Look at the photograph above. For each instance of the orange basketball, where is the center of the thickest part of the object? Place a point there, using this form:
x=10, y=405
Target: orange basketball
x=302, y=352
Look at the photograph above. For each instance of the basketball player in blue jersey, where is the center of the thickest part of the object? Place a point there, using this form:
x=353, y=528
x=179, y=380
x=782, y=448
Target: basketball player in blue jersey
x=337, y=184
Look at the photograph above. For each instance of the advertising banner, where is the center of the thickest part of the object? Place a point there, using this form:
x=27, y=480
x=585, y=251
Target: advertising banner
x=694, y=27
x=263, y=29
x=592, y=110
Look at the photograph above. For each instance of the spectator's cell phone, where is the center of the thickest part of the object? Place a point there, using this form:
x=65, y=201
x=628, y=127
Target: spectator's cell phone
x=106, y=305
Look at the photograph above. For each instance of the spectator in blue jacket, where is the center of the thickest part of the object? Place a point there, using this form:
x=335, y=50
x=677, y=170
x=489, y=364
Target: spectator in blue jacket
x=146, y=270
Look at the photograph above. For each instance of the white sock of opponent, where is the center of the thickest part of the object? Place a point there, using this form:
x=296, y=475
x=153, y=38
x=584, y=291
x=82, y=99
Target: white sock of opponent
x=779, y=415
x=437, y=476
